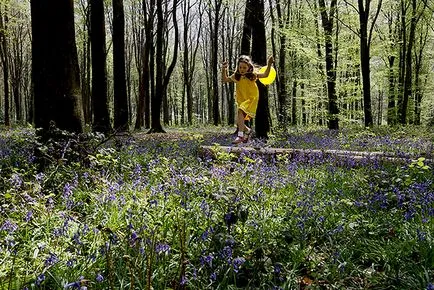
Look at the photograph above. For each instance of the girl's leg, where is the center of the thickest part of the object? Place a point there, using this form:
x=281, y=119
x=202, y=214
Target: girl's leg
x=241, y=128
x=240, y=121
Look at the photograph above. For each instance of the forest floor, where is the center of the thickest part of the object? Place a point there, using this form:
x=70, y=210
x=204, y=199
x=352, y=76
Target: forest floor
x=390, y=145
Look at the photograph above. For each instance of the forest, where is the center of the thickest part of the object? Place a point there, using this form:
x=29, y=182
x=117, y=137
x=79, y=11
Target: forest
x=352, y=62
x=116, y=164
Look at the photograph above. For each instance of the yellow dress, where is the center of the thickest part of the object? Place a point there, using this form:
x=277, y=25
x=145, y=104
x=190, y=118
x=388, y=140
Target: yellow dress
x=246, y=96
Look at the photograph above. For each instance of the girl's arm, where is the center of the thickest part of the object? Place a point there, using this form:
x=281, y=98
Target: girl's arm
x=267, y=71
x=225, y=77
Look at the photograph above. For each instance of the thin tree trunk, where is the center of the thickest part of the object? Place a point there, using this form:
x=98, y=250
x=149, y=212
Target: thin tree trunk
x=215, y=24
x=162, y=76
x=121, y=115
x=4, y=52
x=259, y=55
x=327, y=23
x=364, y=8
x=100, y=101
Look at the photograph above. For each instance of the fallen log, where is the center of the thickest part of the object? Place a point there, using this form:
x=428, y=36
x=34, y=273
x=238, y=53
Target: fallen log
x=292, y=153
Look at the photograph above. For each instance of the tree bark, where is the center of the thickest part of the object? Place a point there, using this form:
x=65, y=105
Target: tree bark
x=55, y=67
x=215, y=76
x=365, y=59
x=162, y=75
x=121, y=114
x=5, y=62
x=282, y=92
x=408, y=79
x=100, y=101
x=327, y=24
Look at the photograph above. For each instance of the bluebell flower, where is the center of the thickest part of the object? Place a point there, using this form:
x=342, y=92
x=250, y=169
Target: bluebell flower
x=207, y=260
x=9, y=226
x=70, y=263
x=277, y=268
x=162, y=248
x=204, y=235
x=430, y=286
x=183, y=281
x=227, y=252
x=99, y=278
x=29, y=216
x=73, y=285
x=230, y=218
x=40, y=279
x=51, y=260
x=421, y=236
x=237, y=262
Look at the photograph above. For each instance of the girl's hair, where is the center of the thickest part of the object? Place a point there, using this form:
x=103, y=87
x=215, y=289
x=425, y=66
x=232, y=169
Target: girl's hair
x=250, y=74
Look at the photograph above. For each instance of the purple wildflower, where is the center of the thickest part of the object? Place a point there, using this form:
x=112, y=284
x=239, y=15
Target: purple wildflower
x=9, y=226
x=237, y=262
x=183, y=281
x=162, y=248
x=51, y=260
x=40, y=279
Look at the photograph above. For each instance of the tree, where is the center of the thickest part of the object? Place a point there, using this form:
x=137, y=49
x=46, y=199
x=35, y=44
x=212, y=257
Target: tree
x=121, y=113
x=365, y=44
x=327, y=24
x=56, y=79
x=84, y=55
x=190, y=48
x=19, y=62
x=100, y=102
x=419, y=68
x=162, y=76
x=408, y=60
x=214, y=15
x=5, y=59
x=282, y=93
x=146, y=81
x=252, y=43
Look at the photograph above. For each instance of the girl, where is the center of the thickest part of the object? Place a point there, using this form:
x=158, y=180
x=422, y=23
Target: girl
x=247, y=93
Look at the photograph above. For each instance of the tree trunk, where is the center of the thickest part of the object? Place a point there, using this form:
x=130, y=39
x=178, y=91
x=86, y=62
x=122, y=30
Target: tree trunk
x=5, y=62
x=148, y=65
x=100, y=101
x=259, y=55
x=119, y=76
x=56, y=78
x=282, y=93
x=162, y=75
x=327, y=24
x=408, y=80
x=86, y=68
x=365, y=59
x=17, y=69
x=423, y=39
x=215, y=76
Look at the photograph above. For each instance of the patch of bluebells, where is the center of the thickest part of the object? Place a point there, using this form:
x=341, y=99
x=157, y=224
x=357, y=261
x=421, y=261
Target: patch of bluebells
x=265, y=182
